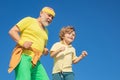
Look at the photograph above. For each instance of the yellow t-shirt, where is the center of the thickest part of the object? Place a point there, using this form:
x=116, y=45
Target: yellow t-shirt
x=63, y=60
x=30, y=31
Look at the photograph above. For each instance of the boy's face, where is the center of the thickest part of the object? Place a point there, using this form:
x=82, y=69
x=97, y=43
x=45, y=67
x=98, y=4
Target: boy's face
x=69, y=37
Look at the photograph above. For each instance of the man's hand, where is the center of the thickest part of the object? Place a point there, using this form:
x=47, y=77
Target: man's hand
x=27, y=44
x=45, y=51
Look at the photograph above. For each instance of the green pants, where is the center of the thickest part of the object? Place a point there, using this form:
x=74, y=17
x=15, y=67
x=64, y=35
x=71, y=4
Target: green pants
x=25, y=71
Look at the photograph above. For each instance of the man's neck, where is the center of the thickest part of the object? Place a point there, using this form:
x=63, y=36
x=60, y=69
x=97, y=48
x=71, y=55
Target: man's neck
x=41, y=26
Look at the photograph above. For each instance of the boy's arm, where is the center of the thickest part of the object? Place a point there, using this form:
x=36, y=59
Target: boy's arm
x=54, y=53
x=84, y=53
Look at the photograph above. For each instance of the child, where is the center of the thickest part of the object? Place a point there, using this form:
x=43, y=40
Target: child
x=64, y=55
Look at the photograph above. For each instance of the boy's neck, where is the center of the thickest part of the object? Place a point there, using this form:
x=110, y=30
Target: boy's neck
x=65, y=43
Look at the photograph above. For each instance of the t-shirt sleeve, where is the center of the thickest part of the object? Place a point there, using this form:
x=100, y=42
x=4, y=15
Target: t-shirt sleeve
x=74, y=54
x=54, y=47
x=25, y=22
x=47, y=34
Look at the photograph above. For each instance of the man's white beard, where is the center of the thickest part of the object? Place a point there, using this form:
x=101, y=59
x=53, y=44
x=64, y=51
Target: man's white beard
x=44, y=23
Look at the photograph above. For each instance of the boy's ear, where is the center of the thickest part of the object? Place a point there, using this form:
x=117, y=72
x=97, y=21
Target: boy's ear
x=62, y=37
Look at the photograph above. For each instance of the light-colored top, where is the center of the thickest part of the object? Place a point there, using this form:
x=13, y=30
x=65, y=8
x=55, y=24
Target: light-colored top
x=30, y=31
x=63, y=60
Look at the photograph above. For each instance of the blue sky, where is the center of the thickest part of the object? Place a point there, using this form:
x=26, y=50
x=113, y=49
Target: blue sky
x=97, y=24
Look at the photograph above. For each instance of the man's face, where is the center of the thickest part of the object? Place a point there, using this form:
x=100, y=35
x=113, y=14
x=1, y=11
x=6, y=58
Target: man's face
x=46, y=18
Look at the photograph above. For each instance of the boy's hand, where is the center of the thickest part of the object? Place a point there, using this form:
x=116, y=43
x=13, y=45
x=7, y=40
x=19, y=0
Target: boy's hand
x=61, y=49
x=84, y=53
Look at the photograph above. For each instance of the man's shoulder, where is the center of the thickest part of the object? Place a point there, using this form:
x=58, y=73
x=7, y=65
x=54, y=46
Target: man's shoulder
x=29, y=18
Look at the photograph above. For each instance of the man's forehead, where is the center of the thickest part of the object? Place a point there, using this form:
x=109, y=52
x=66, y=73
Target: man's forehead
x=49, y=11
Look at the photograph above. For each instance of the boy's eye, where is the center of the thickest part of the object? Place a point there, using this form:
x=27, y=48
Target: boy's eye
x=73, y=34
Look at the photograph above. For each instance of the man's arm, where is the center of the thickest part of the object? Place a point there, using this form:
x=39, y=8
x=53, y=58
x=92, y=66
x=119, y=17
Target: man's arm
x=14, y=33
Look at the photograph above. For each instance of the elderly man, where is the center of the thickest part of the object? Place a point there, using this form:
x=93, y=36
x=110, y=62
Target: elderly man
x=31, y=36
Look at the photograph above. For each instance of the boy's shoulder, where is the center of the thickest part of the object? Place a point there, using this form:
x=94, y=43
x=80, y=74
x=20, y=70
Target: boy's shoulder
x=57, y=43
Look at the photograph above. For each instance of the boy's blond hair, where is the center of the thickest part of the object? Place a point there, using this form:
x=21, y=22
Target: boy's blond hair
x=64, y=30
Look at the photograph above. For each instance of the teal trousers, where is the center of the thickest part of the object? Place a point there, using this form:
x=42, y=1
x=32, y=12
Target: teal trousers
x=63, y=76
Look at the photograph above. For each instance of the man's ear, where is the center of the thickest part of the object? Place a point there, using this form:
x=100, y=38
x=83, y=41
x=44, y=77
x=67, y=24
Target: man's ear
x=41, y=13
